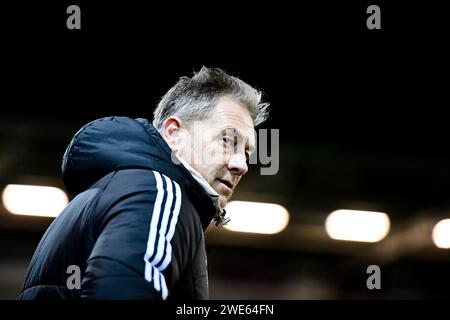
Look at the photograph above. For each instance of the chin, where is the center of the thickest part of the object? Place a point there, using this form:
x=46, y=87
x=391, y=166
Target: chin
x=223, y=201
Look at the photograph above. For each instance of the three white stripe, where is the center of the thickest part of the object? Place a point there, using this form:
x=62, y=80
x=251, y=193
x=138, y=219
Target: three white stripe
x=159, y=282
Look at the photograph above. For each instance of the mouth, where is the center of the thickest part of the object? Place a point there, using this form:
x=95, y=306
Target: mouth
x=228, y=184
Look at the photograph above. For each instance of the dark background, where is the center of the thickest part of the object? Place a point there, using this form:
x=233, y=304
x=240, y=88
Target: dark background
x=361, y=114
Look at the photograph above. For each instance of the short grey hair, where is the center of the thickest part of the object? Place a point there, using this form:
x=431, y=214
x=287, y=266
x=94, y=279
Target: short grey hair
x=193, y=98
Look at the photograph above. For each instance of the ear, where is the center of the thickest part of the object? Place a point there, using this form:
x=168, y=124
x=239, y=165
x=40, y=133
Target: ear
x=171, y=131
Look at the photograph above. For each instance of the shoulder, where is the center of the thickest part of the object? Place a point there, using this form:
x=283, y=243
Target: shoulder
x=149, y=189
x=135, y=180
x=135, y=183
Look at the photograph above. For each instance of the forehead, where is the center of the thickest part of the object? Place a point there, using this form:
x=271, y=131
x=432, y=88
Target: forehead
x=231, y=114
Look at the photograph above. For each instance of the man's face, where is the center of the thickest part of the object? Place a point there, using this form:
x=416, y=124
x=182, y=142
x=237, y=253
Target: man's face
x=219, y=146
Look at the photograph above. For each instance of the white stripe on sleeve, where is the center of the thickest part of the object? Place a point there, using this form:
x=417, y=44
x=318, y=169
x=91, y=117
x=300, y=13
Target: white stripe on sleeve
x=164, y=233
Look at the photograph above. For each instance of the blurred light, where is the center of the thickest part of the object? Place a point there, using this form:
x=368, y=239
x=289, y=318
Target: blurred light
x=441, y=234
x=256, y=217
x=34, y=200
x=352, y=225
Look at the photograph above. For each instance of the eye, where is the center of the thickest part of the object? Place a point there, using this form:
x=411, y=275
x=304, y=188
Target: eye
x=227, y=140
x=230, y=143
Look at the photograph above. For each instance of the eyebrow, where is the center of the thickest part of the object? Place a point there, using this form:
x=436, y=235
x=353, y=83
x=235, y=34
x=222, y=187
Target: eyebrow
x=237, y=133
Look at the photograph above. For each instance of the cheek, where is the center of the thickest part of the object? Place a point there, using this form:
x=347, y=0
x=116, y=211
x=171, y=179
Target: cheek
x=215, y=157
x=184, y=149
x=213, y=173
x=208, y=171
x=210, y=160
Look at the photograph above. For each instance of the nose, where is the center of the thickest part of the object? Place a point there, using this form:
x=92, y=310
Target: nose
x=237, y=164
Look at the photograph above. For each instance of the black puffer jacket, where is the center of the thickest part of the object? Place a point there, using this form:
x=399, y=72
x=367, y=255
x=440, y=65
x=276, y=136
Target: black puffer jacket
x=135, y=227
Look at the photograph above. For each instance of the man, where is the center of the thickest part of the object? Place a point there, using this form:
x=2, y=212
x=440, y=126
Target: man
x=144, y=195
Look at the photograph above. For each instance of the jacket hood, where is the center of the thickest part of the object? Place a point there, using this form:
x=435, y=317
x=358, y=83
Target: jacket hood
x=114, y=143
